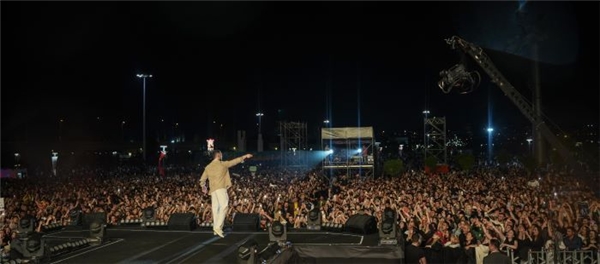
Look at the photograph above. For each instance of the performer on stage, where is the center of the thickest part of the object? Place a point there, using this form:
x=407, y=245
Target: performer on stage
x=217, y=173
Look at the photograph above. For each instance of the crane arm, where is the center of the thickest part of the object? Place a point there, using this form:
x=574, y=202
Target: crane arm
x=524, y=106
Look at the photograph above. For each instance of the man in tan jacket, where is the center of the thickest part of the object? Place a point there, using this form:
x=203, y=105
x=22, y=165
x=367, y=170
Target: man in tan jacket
x=217, y=173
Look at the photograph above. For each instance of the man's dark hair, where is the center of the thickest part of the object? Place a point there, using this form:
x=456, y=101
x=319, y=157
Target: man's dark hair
x=495, y=242
x=216, y=152
x=415, y=238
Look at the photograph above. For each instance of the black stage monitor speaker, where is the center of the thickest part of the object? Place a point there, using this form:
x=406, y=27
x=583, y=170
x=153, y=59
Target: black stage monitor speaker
x=246, y=222
x=361, y=224
x=182, y=221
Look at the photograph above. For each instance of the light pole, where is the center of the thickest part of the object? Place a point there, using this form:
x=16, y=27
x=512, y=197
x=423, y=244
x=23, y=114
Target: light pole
x=260, y=140
x=490, y=130
x=143, y=77
x=529, y=144
x=326, y=123
x=60, y=122
x=17, y=160
x=123, y=130
x=176, y=132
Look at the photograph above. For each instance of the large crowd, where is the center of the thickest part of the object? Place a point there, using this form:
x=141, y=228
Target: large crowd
x=457, y=210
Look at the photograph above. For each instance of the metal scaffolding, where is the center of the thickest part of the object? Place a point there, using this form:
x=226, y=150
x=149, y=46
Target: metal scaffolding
x=352, y=151
x=293, y=136
x=435, y=135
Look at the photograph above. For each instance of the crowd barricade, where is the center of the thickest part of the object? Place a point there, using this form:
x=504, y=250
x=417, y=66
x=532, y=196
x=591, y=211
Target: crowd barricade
x=561, y=256
x=556, y=257
x=514, y=258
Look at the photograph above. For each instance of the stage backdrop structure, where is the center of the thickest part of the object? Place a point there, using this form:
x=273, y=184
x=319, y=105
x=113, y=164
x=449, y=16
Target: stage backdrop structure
x=351, y=149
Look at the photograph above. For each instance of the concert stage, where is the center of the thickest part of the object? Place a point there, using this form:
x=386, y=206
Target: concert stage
x=140, y=245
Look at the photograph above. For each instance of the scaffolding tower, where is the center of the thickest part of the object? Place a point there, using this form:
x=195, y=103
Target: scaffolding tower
x=435, y=139
x=350, y=150
x=293, y=136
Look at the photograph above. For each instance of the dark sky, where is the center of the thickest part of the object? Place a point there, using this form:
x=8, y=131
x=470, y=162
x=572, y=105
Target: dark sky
x=366, y=63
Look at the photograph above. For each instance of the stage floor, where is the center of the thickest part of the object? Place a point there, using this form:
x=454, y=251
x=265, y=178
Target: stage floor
x=139, y=245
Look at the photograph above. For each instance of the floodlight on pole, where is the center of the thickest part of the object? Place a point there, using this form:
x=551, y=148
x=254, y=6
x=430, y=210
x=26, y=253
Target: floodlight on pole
x=143, y=77
x=260, y=140
x=490, y=143
x=425, y=138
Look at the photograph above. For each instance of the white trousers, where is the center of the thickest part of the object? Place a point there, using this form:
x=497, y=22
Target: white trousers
x=220, y=205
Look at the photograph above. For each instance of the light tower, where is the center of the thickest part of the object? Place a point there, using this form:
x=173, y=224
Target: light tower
x=143, y=77
x=260, y=139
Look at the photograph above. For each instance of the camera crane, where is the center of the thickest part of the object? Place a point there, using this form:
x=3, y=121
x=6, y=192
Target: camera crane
x=454, y=78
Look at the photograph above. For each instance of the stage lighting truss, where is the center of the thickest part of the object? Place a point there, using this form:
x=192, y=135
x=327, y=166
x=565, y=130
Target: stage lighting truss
x=459, y=79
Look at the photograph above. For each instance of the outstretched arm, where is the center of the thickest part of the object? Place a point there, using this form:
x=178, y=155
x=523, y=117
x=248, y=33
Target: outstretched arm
x=236, y=161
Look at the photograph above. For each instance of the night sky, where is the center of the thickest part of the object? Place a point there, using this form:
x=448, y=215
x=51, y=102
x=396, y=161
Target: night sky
x=356, y=63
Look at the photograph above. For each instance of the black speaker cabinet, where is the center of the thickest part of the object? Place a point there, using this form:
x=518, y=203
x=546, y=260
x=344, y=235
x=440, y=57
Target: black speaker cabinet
x=182, y=221
x=246, y=222
x=361, y=224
